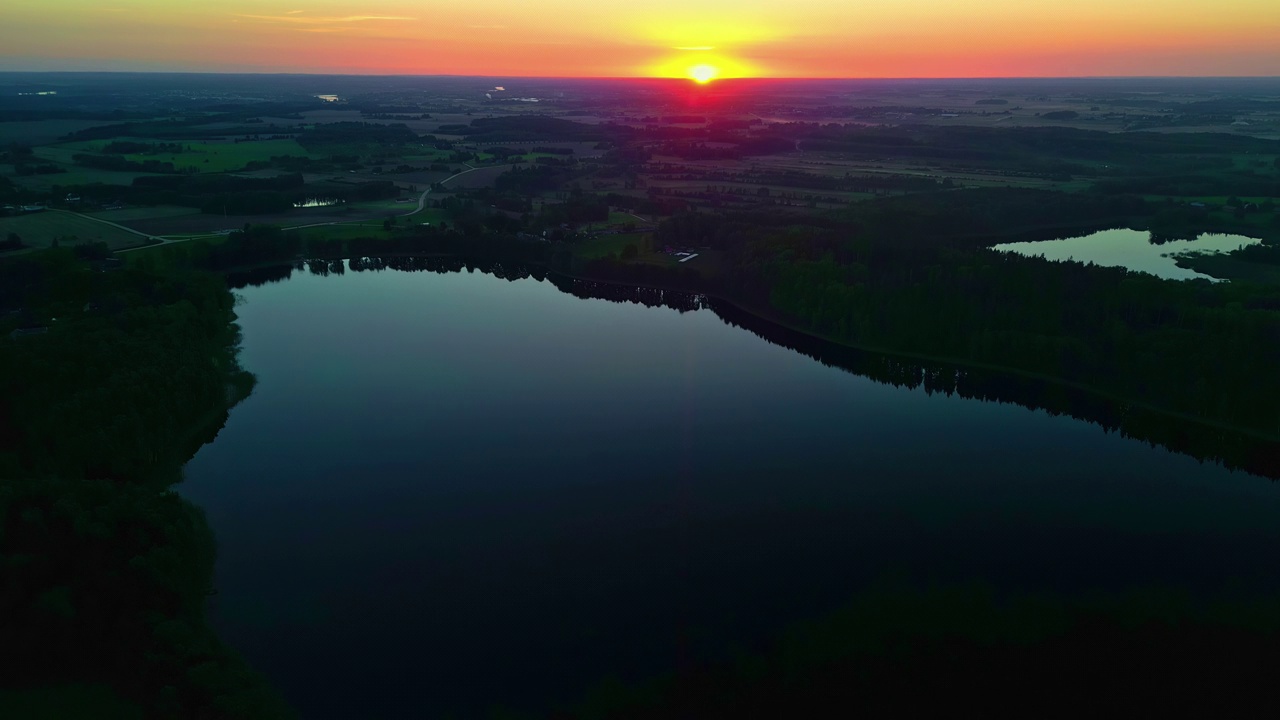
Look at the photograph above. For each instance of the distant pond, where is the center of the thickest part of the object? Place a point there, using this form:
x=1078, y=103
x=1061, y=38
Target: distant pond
x=317, y=202
x=1130, y=249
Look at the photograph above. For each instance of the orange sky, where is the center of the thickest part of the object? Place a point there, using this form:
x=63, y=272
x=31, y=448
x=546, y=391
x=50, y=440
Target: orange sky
x=798, y=38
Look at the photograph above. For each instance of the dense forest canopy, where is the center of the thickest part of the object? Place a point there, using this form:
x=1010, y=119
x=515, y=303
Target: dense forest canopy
x=106, y=569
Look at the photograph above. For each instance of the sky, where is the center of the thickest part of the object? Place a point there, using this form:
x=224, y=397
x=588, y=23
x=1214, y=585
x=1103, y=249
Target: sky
x=605, y=38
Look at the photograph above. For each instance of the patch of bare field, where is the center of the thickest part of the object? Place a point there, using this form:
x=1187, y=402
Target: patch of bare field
x=751, y=190
x=127, y=216
x=590, y=119
x=42, y=229
x=451, y=119
x=422, y=179
x=317, y=116
x=201, y=223
x=479, y=178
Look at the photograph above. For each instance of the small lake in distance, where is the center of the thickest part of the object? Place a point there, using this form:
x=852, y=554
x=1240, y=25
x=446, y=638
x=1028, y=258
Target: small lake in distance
x=317, y=202
x=455, y=491
x=1130, y=249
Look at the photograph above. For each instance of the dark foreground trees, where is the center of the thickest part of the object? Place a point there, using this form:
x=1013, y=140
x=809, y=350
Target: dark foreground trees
x=105, y=569
x=895, y=652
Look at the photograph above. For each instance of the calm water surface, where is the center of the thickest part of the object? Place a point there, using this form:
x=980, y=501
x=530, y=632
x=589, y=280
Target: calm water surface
x=317, y=202
x=1130, y=249
x=454, y=491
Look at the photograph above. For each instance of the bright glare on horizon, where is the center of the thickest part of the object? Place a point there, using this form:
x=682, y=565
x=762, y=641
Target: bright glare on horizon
x=703, y=74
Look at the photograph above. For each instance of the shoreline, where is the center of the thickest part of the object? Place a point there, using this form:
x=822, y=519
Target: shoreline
x=773, y=318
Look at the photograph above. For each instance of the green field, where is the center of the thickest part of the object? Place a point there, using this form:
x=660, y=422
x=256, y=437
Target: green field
x=200, y=156
x=75, y=175
x=144, y=213
x=606, y=245
x=622, y=218
x=370, y=227
x=428, y=215
x=346, y=231
x=224, y=157
x=486, y=157
x=384, y=206
x=42, y=228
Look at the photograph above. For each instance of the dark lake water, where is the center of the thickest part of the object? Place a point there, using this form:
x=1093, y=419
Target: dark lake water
x=452, y=491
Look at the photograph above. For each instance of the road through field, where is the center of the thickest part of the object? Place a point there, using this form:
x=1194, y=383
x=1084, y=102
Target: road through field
x=422, y=204
x=114, y=225
x=422, y=200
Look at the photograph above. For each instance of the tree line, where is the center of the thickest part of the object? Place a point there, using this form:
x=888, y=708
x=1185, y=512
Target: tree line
x=914, y=274
x=106, y=568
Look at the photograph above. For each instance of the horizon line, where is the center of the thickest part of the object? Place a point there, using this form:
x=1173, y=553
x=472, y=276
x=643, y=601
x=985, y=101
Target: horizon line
x=634, y=77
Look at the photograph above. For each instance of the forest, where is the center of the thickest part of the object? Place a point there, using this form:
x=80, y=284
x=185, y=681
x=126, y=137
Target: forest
x=106, y=568
x=913, y=275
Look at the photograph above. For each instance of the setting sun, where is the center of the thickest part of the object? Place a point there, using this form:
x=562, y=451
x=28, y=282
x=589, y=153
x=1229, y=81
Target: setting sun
x=703, y=73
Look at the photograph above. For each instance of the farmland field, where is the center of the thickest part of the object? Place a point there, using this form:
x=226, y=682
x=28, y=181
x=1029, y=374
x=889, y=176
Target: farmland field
x=42, y=228
x=37, y=132
x=75, y=175
x=199, y=223
x=428, y=215
x=343, y=232
x=606, y=245
x=199, y=156
x=223, y=157
x=384, y=207
x=126, y=215
x=481, y=177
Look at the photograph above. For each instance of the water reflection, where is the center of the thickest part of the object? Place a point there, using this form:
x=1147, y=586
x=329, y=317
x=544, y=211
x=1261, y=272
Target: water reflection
x=1133, y=249
x=1233, y=449
x=454, y=491
x=317, y=202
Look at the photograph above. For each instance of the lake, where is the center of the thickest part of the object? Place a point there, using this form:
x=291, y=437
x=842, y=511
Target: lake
x=317, y=202
x=1130, y=249
x=451, y=491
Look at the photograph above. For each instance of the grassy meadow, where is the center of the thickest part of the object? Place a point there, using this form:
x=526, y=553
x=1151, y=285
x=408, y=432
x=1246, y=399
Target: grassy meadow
x=42, y=228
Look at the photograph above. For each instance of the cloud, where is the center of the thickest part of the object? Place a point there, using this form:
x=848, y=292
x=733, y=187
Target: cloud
x=296, y=16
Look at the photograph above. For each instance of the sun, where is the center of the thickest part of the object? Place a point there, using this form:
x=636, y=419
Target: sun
x=703, y=74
